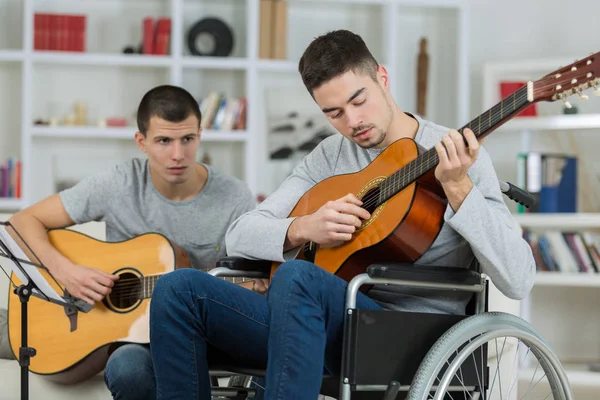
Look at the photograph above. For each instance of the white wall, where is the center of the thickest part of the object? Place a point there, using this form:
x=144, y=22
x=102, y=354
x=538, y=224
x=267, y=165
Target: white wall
x=516, y=30
x=536, y=30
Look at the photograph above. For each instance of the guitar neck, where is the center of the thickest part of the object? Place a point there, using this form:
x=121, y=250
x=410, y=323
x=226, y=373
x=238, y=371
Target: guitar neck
x=481, y=126
x=147, y=283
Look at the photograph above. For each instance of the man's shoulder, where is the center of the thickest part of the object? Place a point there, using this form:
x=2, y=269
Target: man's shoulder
x=333, y=142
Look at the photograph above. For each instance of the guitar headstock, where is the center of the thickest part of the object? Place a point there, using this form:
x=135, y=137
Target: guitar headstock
x=566, y=81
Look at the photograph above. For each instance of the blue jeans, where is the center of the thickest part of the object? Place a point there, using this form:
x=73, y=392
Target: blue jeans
x=129, y=374
x=295, y=331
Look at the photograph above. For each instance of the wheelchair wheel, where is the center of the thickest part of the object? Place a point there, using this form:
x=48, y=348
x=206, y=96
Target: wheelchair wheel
x=472, y=343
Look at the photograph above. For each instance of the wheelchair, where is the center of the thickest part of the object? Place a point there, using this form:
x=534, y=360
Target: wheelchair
x=392, y=355
x=415, y=355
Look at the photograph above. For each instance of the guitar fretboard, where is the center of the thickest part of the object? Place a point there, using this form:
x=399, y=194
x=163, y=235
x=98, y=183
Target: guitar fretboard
x=147, y=283
x=481, y=126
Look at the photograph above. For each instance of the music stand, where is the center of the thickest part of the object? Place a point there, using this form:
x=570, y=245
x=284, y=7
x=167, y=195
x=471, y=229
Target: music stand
x=33, y=284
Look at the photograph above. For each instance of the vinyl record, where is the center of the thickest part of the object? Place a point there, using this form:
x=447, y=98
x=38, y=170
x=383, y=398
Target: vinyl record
x=210, y=37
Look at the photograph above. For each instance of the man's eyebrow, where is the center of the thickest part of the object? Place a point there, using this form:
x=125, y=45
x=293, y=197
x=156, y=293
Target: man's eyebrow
x=355, y=95
x=160, y=137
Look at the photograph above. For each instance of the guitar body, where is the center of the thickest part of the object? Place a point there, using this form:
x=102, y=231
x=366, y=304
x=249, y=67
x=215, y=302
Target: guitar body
x=400, y=230
x=72, y=349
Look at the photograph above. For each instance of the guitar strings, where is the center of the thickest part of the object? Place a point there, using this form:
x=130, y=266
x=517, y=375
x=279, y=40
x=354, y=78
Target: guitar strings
x=145, y=282
x=431, y=160
x=135, y=293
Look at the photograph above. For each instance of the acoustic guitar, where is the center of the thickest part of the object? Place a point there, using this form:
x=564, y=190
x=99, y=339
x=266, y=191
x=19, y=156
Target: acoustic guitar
x=399, y=188
x=73, y=346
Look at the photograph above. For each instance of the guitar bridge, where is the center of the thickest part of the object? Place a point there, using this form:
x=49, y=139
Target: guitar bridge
x=310, y=251
x=71, y=313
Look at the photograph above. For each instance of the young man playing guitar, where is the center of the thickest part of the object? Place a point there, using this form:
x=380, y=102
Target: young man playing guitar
x=190, y=203
x=296, y=330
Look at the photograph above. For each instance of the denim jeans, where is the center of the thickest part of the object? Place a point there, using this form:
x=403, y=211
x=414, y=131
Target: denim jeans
x=295, y=331
x=129, y=374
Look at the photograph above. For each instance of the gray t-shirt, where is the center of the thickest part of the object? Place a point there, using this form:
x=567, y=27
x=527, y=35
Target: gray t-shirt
x=126, y=199
x=482, y=228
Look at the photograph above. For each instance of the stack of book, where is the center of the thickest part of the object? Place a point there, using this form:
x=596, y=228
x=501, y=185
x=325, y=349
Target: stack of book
x=223, y=114
x=10, y=178
x=561, y=251
x=59, y=32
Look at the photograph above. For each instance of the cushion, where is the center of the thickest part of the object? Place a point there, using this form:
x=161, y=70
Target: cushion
x=5, y=351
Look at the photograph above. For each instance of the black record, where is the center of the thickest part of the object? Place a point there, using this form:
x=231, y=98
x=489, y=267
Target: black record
x=210, y=37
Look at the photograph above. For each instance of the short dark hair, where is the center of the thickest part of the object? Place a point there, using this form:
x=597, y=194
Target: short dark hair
x=171, y=103
x=334, y=54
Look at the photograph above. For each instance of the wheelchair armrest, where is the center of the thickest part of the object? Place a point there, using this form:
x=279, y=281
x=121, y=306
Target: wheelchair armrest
x=425, y=273
x=244, y=264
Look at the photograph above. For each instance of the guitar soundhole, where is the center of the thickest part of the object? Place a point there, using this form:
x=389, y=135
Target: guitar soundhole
x=370, y=199
x=126, y=292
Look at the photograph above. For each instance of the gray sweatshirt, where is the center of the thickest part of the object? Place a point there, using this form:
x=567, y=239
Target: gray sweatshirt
x=482, y=228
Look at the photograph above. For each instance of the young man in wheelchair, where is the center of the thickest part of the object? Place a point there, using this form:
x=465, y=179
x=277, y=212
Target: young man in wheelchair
x=295, y=331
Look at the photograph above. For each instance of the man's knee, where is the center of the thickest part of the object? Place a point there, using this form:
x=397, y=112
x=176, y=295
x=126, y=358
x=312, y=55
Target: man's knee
x=174, y=281
x=129, y=373
x=295, y=273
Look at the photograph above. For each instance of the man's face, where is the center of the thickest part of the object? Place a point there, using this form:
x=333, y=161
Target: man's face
x=358, y=107
x=171, y=148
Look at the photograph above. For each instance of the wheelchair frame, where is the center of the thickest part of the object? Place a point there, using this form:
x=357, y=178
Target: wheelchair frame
x=477, y=322
x=432, y=326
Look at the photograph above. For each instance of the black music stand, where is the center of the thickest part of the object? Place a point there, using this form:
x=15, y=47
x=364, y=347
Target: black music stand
x=33, y=284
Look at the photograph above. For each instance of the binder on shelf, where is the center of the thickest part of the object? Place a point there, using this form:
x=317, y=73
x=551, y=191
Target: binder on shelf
x=551, y=179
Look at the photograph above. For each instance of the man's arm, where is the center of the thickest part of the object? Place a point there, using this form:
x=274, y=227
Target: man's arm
x=86, y=202
x=267, y=232
x=478, y=213
x=32, y=224
x=262, y=232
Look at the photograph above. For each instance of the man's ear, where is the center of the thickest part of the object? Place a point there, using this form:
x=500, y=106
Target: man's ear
x=140, y=140
x=383, y=77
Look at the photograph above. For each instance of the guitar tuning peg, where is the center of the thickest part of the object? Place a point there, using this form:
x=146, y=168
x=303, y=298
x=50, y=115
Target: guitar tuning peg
x=596, y=90
x=567, y=104
x=582, y=97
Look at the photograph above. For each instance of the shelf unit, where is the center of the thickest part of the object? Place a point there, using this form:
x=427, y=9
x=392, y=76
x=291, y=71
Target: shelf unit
x=126, y=133
x=65, y=77
x=551, y=131
x=560, y=301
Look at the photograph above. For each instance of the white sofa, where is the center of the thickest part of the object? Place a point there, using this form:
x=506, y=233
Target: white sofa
x=39, y=387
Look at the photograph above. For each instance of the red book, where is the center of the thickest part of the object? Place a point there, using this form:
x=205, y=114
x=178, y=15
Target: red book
x=37, y=31
x=80, y=28
x=148, y=35
x=163, y=36
x=53, y=32
x=46, y=31
x=70, y=33
x=18, y=180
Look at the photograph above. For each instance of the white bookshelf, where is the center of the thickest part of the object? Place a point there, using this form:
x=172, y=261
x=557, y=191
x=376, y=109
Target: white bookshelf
x=49, y=82
x=553, y=123
x=559, y=220
x=561, y=306
x=125, y=133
